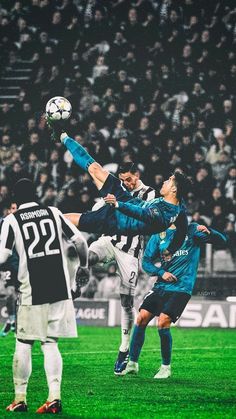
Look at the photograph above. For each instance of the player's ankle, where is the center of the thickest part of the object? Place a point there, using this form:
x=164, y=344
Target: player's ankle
x=20, y=397
x=63, y=136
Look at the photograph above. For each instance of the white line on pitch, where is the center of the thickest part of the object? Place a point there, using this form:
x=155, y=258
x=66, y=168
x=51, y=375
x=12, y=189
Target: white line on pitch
x=193, y=348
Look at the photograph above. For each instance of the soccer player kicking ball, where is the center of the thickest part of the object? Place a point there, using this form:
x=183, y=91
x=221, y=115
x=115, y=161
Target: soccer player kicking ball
x=45, y=308
x=127, y=252
x=171, y=292
x=125, y=214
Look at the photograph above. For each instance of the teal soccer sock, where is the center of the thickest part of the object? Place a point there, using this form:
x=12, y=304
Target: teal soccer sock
x=137, y=342
x=80, y=155
x=166, y=345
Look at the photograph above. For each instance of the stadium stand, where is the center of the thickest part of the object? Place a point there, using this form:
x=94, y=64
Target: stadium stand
x=149, y=80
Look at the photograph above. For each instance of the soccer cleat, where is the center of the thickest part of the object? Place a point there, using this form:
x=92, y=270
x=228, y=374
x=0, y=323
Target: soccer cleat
x=163, y=372
x=56, y=127
x=17, y=407
x=13, y=327
x=131, y=368
x=121, y=362
x=50, y=407
x=6, y=329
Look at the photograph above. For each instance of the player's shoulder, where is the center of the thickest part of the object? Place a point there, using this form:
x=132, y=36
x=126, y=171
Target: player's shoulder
x=8, y=219
x=54, y=210
x=156, y=238
x=192, y=228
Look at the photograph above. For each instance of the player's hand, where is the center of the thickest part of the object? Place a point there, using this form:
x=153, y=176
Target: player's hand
x=82, y=277
x=169, y=277
x=110, y=199
x=166, y=256
x=203, y=229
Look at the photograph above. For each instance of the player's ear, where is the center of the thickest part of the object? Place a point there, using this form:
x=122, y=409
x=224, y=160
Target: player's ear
x=174, y=189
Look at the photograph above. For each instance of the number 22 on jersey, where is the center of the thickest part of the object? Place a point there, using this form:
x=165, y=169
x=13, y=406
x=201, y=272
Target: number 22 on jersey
x=40, y=231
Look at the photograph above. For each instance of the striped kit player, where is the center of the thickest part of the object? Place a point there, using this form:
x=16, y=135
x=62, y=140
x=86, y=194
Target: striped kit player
x=126, y=251
x=45, y=309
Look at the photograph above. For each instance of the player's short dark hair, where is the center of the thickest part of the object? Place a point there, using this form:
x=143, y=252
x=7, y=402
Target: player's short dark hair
x=24, y=191
x=128, y=167
x=183, y=184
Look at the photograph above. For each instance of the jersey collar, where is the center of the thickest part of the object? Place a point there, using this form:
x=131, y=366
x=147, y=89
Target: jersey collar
x=141, y=186
x=28, y=205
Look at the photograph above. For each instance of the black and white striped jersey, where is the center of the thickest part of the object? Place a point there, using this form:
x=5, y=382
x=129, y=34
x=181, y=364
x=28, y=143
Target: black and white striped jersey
x=37, y=234
x=134, y=244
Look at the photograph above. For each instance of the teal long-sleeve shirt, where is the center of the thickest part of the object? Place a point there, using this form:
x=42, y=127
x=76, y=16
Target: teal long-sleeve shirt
x=153, y=216
x=184, y=262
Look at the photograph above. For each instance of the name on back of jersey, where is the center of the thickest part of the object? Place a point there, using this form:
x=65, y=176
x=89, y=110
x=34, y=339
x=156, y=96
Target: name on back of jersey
x=34, y=214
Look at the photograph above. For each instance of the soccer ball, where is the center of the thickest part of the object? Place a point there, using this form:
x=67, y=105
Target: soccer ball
x=57, y=108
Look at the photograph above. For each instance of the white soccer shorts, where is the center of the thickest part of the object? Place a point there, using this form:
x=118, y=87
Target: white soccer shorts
x=127, y=264
x=46, y=320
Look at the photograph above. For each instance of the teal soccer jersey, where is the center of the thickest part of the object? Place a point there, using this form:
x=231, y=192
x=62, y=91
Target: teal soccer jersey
x=147, y=217
x=184, y=262
x=135, y=216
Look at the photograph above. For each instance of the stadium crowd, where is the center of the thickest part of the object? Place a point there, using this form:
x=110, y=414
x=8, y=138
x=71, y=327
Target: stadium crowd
x=152, y=81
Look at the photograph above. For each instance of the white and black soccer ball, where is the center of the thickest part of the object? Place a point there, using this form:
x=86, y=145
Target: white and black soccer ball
x=58, y=108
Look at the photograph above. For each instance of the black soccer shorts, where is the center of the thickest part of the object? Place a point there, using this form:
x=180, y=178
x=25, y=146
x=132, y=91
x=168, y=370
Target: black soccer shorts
x=103, y=220
x=167, y=302
x=114, y=186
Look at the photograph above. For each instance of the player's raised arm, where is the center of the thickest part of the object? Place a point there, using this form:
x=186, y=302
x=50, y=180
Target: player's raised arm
x=147, y=215
x=204, y=234
x=74, y=235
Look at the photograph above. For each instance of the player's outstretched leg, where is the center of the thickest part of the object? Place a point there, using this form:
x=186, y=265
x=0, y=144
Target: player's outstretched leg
x=22, y=368
x=137, y=341
x=53, y=370
x=85, y=161
x=166, y=346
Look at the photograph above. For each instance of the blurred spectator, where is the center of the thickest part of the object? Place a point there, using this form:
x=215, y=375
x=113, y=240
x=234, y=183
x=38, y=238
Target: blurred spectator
x=229, y=184
x=109, y=286
x=214, y=153
x=218, y=219
x=6, y=150
x=231, y=235
x=42, y=184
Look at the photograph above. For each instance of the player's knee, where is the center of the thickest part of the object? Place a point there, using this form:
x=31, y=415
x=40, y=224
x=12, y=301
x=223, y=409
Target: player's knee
x=48, y=342
x=127, y=302
x=93, y=258
x=25, y=341
x=142, y=319
x=95, y=169
x=164, y=321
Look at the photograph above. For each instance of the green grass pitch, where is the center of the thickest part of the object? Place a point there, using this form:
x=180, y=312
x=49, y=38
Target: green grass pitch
x=203, y=384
